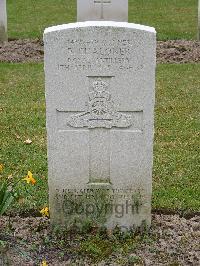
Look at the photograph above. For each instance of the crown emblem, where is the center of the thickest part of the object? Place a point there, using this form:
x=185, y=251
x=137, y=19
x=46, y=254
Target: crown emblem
x=101, y=112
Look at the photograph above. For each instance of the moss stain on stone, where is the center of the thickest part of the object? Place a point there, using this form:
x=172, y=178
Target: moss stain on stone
x=94, y=205
x=3, y=34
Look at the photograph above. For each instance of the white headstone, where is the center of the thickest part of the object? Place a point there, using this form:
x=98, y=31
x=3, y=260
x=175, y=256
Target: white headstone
x=100, y=79
x=198, y=34
x=3, y=21
x=115, y=10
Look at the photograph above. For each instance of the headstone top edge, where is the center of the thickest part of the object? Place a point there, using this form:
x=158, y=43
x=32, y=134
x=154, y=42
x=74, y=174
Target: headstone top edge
x=99, y=24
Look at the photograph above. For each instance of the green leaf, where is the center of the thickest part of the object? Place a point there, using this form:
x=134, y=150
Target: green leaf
x=2, y=191
x=6, y=198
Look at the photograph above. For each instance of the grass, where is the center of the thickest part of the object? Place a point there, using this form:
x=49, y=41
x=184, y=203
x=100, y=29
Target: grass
x=176, y=152
x=173, y=19
x=22, y=117
x=177, y=160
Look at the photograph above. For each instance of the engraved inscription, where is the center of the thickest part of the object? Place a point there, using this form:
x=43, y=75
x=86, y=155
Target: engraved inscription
x=101, y=112
x=102, y=2
x=85, y=55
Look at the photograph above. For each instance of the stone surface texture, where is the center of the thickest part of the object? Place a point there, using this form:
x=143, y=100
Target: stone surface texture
x=100, y=79
x=114, y=10
x=3, y=21
x=198, y=34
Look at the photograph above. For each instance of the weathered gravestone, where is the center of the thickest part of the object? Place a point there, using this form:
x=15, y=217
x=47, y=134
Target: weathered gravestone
x=198, y=33
x=3, y=21
x=100, y=110
x=116, y=10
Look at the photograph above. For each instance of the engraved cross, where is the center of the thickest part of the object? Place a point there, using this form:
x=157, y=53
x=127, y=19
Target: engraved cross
x=100, y=119
x=102, y=2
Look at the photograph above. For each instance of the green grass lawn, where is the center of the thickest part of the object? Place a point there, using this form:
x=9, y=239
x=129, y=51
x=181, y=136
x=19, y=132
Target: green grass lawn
x=177, y=138
x=173, y=19
x=176, y=152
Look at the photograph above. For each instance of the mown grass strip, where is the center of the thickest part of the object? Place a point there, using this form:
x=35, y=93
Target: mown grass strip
x=177, y=128
x=173, y=19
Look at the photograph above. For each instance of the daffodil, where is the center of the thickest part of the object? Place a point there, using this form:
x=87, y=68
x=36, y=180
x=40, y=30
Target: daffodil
x=44, y=263
x=45, y=212
x=29, y=178
x=1, y=167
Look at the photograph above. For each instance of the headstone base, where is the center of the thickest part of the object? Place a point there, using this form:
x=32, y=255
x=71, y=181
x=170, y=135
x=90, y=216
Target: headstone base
x=3, y=35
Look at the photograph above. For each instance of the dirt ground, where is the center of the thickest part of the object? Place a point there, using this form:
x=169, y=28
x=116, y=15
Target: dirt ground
x=173, y=51
x=172, y=240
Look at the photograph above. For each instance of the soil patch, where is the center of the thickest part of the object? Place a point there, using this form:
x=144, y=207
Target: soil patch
x=172, y=240
x=179, y=51
x=173, y=51
x=21, y=51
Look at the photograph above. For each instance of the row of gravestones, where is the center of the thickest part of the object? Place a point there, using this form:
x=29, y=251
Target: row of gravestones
x=116, y=10
x=86, y=10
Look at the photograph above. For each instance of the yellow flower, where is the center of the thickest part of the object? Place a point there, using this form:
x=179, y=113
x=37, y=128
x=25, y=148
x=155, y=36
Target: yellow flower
x=45, y=212
x=1, y=167
x=44, y=263
x=29, y=178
